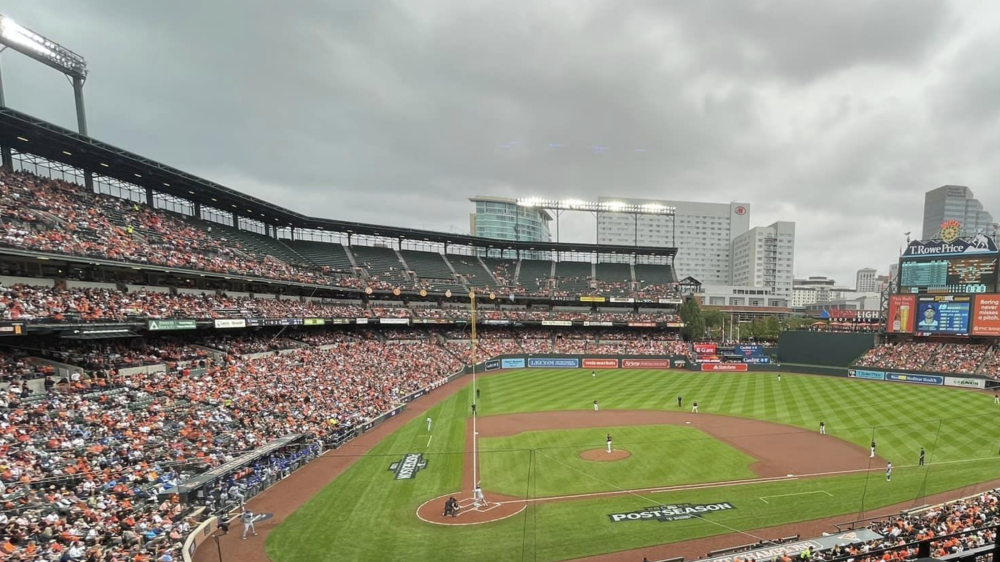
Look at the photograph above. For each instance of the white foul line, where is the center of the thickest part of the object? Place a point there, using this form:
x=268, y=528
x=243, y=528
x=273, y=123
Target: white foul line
x=762, y=498
x=429, y=440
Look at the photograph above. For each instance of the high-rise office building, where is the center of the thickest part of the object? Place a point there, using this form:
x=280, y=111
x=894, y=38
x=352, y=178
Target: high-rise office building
x=958, y=203
x=764, y=256
x=703, y=234
x=503, y=219
x=866, y=281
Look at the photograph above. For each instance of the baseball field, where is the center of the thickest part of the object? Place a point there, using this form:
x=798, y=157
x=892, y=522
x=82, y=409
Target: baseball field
x=751, y=459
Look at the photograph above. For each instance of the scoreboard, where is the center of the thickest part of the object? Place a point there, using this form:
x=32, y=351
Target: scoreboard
x=943, y=315
x=941, y=275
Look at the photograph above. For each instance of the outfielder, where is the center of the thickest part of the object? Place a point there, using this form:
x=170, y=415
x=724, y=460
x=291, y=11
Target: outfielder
x=921, y=462
x=694, y=408
x=593, y=374
x=822, y=428
x=478, y=497
x=596, y=407
x=872, y=456
x=888, y=472
x=609, y=443
x=247, y=519
x=429, y=422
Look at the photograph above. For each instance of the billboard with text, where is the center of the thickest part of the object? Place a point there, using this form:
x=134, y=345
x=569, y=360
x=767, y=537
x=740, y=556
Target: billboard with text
x=986, y=316
x=724, y=367
x=902, y=311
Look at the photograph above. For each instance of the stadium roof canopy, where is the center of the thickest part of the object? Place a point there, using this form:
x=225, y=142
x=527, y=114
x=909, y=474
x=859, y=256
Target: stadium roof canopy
x=30, y=135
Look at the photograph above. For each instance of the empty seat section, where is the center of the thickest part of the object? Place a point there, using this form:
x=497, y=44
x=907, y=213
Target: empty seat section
x=381, y=263
x=475, y=274
x=573, y=276
x=650, y=275
x=503, y=271
x=535, y=275
x=613, y=278
x=325, y=254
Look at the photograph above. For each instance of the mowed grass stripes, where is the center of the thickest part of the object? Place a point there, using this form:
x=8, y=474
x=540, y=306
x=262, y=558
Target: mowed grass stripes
x=951, y=424
x=366, y=515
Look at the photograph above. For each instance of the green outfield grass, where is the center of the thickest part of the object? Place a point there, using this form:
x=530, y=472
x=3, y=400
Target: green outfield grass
x=662, y=455
x=366, y=515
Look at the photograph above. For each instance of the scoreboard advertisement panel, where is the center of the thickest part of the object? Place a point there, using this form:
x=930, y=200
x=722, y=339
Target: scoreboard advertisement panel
x=949, y=275
x=986, y=316
x=944, y=315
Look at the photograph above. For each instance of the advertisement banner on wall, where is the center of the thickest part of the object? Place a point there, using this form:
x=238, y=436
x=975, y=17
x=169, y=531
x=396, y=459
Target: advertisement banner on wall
x=902, y=312
x=492, y=364
x=680, y=363
x=724, y=367
x=592, y=299
x=986, y=316
x=916, y=379
x=705, y=348
x=361, y=321
x=557, y=323
x=602, y=363
x=748, y=350
x=553, y=362
x=965, y=383
x=669, y=301
x=620, y=299
x=394, y=321
x=155, y=325
x=230, y=323
x=645, y=363
x=869, y=375
x=642, y=324
x=589, y=323
x=314, y=322
x=758, y=360
x=512, y=363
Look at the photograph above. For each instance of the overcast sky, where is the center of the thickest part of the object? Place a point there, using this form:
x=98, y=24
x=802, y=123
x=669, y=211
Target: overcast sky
x=837, y=115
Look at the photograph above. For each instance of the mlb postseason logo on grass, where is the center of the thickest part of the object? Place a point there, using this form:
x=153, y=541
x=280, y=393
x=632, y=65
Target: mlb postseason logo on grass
x=674, y=512
x=408, y=468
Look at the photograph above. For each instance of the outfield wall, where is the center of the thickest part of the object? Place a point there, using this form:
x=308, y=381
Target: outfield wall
x=832, y=349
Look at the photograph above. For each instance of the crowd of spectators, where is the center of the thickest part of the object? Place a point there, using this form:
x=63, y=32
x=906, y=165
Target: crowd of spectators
x=945, y=357
x=85, y=469
x=902, y=355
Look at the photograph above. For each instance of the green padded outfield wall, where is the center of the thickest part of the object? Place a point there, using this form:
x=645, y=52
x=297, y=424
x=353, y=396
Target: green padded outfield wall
x=821, y=348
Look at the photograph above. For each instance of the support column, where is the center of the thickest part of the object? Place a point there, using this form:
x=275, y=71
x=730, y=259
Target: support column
x=7, y=160
x=149, y=196
x=81, y=125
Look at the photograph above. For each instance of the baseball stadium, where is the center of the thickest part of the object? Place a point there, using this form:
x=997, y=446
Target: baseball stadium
x=192, y=373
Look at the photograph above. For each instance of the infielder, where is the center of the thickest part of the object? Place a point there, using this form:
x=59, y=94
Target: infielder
x=888, y=472
x=679, y=400
x=247, y=518
x=694, y=408
x=872, y=456
x=921, y=461
x=593, y=374
x=596, y=407
x=822, y=428
x=478, y=497
x=429, y=422
x=609, y=443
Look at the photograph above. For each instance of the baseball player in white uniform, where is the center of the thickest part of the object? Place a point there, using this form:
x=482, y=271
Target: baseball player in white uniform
x=247, y=519
x=822, y=428
x=429, y=422
x=596, y=407
x=888, y=472
x=609, y=443
x=694, y=408
x=478, y=497
x=593, y=374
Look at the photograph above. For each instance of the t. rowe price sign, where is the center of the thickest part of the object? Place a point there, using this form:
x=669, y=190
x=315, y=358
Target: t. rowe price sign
x=724, y=367
x=986, y=316
x=645, y=363
x=600, y=363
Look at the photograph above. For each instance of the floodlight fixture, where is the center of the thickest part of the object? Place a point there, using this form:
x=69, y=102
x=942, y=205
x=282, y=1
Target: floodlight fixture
x=25, y=41
x=608, y=207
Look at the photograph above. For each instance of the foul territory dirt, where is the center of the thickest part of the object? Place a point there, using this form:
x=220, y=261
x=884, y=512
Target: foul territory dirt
x=774, y=458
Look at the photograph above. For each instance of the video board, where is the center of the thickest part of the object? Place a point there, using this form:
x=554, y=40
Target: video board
x=944, y=315
x=948, y=275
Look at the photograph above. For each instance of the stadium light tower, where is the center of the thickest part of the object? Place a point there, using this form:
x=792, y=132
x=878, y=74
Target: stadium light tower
x=16, y=37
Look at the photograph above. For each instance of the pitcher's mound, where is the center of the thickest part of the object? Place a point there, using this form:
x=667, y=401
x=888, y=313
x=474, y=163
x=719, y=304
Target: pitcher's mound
x=602, y=455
